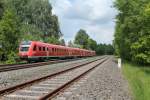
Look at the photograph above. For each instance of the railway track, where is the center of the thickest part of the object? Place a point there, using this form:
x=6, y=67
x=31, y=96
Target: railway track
x=10, y=67
x=49, y=86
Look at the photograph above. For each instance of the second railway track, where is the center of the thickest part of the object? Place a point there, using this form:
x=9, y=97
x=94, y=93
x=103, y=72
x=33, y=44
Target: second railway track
x=10, y=67
x=48, y=86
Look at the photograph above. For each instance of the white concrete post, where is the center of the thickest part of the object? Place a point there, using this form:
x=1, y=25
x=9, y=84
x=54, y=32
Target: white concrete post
x=119, y=62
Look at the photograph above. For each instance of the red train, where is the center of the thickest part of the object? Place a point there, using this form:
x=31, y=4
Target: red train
x=35, y=50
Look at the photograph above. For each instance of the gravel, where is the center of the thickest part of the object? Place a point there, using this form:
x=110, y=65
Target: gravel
x=47, y=85
x=106, y=82
x=14, y=77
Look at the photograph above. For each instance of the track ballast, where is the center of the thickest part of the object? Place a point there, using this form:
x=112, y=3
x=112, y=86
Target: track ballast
x=49, y=86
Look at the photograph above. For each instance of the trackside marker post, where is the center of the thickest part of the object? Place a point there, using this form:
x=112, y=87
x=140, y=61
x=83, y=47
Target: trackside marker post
x=119, y=63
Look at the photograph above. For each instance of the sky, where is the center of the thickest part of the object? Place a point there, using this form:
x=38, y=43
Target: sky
x=97, y=17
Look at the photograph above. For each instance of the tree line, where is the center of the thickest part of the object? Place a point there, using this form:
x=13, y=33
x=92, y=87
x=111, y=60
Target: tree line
x=132, y=35
x=23, y=20
x=83, y=40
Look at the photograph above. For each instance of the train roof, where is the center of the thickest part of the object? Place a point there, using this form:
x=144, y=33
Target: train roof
x=53, y=45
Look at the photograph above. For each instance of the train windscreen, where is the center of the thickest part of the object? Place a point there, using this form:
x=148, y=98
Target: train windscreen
x=24, y=48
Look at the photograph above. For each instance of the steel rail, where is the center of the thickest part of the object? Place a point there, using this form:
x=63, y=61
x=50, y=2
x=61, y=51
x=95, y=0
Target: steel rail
x=64, y=86
x=3, y=65
x=10, y=67
x=29, y=83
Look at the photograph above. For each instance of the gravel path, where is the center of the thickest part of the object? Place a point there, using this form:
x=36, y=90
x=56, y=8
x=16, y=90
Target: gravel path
x=106, y=82
x=11, y=78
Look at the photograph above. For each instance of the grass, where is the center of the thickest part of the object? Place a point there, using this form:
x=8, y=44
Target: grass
x=139, y=80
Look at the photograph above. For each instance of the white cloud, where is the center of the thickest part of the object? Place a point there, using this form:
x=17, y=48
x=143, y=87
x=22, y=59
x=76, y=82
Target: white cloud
x=95, y=16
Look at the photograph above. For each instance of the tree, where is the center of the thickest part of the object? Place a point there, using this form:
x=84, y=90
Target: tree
x=70, y=44
x=104, y=49
x=36, y=18
x=53, y=40
x=132, y=30
x=92, y=44
x=1, y=8
x=9, y=33
x=81, y=38
x=62, y=42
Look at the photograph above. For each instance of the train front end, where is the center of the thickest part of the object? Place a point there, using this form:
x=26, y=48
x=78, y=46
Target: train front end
x=24, y=50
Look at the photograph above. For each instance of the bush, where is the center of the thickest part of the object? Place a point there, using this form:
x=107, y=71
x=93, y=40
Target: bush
x=12, y=58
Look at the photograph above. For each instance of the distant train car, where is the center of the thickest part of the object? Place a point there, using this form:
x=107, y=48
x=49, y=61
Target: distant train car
x=35, y=50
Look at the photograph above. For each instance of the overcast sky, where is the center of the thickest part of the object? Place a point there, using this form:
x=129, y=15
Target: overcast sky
x=95, y=16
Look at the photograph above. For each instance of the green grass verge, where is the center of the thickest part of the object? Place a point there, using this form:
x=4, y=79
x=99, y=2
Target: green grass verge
x=139, y=80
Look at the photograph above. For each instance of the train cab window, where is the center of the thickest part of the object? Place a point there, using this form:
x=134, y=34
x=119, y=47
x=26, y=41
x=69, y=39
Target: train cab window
x=24, y=48
x=40, y=48
x=34, y=48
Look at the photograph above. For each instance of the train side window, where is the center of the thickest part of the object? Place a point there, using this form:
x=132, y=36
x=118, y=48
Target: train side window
x=34, y=48
x=52, y=49
x=39, y=48
x=47, y=49
x=56, y=50
x=43, y=48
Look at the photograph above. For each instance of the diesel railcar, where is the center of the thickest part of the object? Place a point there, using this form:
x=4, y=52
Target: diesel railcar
x=35, y=50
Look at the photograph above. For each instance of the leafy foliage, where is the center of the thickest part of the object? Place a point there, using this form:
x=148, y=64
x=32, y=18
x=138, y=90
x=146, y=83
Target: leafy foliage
x=9, y=33
x=62, y=42
x=11, y=58
x=26, y=20
x=132, y=35
x=53, y=40
x=1, y=8
x=104, y=49
x=84, y=40
x=36, y=18
x=92, y=44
